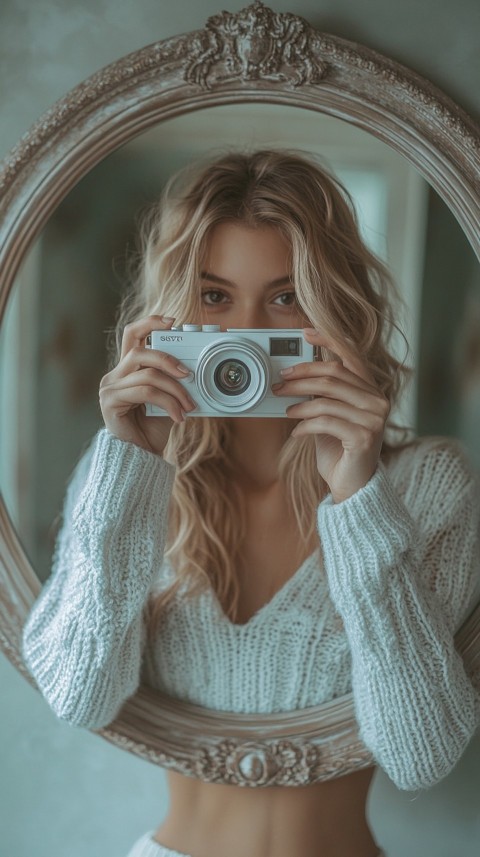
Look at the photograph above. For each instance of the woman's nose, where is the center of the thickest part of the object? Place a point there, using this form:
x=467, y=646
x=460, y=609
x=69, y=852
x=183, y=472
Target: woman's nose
x=252, y=317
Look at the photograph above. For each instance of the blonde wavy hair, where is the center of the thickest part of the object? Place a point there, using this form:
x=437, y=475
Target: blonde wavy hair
x=340, y=285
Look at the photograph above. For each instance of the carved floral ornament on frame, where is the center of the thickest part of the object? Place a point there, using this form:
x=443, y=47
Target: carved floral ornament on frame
x=253, y=55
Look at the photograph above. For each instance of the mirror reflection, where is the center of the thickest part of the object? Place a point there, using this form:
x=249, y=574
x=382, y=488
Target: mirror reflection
x=53, y=342
x=320, y=548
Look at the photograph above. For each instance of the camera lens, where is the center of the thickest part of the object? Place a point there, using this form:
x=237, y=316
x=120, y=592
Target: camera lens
x=232, y=377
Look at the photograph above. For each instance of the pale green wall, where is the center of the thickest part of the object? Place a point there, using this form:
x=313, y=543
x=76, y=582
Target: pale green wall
x=66, y=793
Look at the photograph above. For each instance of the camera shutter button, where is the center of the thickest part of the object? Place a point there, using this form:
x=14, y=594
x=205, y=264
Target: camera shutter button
x=192, y=328
x=210, y=328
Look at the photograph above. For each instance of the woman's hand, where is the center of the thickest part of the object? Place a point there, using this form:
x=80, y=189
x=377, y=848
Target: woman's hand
x=347, y=415
x=144, y=375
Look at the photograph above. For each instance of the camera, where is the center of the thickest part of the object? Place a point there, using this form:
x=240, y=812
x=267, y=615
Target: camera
x=232, y=371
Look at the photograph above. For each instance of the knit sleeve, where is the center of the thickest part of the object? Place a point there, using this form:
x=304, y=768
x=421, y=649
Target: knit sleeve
x=84, y=637
x=402, y=571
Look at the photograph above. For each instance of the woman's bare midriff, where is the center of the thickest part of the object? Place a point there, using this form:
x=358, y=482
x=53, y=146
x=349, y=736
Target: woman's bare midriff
x=320, y=820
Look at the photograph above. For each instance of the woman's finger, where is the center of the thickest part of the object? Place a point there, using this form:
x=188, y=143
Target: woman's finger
x=139, y=358
x=332, y=408
x=153, y=379
x=351, y=435
x=326, y=383
x=331, y=369
x=120, y=402
x=329, y=387
x=136, y=332
x=346, y=354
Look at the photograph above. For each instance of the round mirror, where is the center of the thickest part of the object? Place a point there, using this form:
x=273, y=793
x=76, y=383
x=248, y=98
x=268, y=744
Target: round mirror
x=141, y=118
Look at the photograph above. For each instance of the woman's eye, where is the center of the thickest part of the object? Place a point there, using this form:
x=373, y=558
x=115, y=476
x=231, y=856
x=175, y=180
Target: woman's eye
x=286, y=299
x=213, y=297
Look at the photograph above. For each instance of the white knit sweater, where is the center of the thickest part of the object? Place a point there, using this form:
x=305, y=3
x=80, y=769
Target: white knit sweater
x=373, y=612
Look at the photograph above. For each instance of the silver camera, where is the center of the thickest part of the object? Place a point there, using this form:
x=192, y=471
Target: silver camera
x=232, y=372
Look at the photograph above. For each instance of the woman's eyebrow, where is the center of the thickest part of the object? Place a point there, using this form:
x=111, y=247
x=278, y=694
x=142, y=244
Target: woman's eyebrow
x=206, y=275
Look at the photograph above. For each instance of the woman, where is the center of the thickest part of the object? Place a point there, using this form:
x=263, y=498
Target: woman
x=304, y=556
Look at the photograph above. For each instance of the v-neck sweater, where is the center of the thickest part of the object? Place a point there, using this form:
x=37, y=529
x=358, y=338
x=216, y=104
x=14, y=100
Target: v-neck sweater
x=373, y=611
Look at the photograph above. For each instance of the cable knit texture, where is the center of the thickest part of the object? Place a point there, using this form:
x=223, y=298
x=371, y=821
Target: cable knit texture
x=373, y=611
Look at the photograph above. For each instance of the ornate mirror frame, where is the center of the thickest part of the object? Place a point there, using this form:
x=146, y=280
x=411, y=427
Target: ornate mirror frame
x=255, y=55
